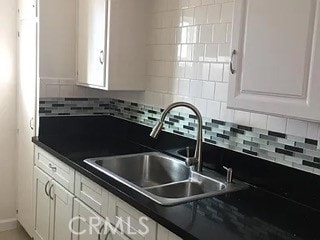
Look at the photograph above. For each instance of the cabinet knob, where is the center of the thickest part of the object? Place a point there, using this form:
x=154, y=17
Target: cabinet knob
x=232, y=70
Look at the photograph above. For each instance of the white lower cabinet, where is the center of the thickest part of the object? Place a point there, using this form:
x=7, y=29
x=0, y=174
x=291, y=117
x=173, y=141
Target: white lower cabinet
x=53, y=208
x=92, y=214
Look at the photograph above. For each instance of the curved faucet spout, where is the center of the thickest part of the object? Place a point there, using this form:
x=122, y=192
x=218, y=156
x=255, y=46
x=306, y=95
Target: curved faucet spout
x=158, y=127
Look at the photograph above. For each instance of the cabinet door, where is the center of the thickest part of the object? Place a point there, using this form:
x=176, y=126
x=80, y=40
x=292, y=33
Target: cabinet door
x=91, y=17
x=135, y=224
x=42, y=184
x=276, y=57
x=87, y=223
x=61, y=211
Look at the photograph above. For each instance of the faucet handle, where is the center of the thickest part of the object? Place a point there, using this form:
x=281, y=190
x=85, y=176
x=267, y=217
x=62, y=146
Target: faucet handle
x=229, y=174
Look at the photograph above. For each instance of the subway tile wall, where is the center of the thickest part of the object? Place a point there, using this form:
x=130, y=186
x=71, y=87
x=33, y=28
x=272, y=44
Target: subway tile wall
x=189, y=48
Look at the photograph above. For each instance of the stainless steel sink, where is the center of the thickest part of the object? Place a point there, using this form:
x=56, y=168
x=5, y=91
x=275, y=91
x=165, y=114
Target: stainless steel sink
x=165, y=180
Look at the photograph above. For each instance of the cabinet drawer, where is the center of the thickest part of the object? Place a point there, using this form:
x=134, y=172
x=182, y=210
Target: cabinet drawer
x=92, y=194
x=134, y=222
x=59, y=171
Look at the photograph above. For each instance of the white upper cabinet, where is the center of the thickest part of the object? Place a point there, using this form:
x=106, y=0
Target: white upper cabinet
x=111, y=43
x=57, y=40
x=275, y=63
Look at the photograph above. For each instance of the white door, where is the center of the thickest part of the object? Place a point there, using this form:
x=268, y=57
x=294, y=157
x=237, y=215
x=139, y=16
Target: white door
x=26, y=103
x=91, y=18
x=61, y=209
x=276, y=57
x=42, y=189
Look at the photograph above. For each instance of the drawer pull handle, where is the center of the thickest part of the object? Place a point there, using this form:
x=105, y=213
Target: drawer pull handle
x=53, y=168
x=50, y=191
x=46, y=188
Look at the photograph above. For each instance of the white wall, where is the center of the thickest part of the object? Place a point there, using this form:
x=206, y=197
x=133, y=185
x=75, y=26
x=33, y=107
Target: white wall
x=189, y=49
x=8, y=32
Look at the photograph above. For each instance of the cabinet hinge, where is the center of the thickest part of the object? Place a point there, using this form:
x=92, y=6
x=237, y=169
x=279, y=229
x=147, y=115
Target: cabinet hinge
x=18, y=34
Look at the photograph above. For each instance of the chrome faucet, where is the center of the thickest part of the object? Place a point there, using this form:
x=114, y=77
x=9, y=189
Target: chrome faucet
x=195, y=161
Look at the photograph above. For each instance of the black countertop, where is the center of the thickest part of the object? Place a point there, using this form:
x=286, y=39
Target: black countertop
x=253, y=213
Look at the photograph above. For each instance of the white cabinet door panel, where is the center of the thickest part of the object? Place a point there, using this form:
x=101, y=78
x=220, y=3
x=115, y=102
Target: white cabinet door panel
x=61, y=212
x=277, y=47
x=41, y=205
x=91, y=42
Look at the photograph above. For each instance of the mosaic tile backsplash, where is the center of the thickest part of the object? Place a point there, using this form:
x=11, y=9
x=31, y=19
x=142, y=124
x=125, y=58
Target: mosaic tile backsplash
x=292, y=151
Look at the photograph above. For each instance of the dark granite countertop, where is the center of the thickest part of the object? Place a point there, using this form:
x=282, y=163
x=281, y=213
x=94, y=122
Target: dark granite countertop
x=248, y=214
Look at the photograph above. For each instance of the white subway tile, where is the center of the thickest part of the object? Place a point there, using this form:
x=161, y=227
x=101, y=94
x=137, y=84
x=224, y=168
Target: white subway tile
x=52, y=90
x=179, y=69
x=220, y=33
x=277, y=124
x=194, y=3
x=229, y=32
x=258, y=120
x=313, y=130
x=242, y=118
x=213, y=109
x=185, y=53
x=208, y=89
x=195, y=88
x=181, y=35
x=176, y=17
x=200, y=15
x=187, y=17
x=221, y=93
x=226, y=114
x=227, y=12
x=226, y=72
x=173, y=85
x=214, y=13
x=198, y=52
x=211, y=52
x=206, y=32
x=203, y=71
x=201, y=104
x=66, y=91
x=224, y=52
x=216, y=72
x=184, y=87
x=297, y=128
x=192, y=34
x=191, y=70
x=158, y=84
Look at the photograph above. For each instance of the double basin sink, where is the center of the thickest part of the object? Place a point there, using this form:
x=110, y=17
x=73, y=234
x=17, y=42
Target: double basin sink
x=163, y=179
